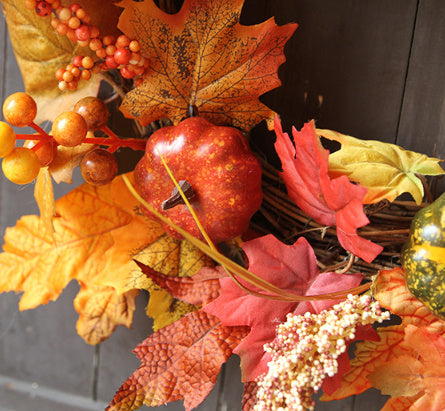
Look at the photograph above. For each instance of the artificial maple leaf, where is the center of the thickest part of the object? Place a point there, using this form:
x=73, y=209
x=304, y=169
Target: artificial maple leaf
x=202, y=57
x=97, y=230
x=40, y=51
x=101, y=310
x=419, y=374
x=386, y=170
x=392, y=294
x=249, y=395
x=44, y=195
x=287, y=267
x=181, y=361
x=200, y=289
x=328, y=201
x=171, y=257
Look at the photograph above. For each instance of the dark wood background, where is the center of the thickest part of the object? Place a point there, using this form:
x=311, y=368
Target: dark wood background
x=369, y=68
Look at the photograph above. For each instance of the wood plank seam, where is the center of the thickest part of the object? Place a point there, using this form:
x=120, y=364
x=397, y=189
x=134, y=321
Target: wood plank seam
x=405, y=80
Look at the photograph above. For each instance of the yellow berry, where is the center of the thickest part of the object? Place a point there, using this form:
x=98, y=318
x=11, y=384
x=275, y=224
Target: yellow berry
x=7, y=139
x=21, y=166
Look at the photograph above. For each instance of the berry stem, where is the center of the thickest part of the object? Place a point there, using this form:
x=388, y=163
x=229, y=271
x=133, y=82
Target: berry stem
x=45, y=137
x=39, y=129
x=115, y=143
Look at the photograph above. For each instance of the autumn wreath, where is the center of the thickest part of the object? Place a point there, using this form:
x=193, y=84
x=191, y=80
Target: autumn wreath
x=282, y=267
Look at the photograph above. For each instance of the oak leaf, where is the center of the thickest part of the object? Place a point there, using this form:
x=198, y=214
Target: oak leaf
x=171, y=257
x=40, y=51
x=97, y=230
x=180, y=361
x=202, y=57
x=329, y=201
x=392, y=294
x=386, y=170
x=292, y=268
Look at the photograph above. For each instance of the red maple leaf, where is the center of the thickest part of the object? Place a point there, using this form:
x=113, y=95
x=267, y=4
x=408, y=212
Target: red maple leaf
x=293, y=268
x=329, y=201
x=199, y=289
x=180, y=361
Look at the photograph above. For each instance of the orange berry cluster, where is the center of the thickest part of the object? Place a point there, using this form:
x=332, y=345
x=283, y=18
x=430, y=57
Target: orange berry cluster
x=21, y=165
x=74, y=22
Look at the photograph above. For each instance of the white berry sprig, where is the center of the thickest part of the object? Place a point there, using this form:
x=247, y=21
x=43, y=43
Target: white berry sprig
x=305, y=352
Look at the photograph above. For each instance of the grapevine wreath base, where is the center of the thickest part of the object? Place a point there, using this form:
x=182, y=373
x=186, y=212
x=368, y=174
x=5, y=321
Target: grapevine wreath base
x=389, y=226
x=283, y=265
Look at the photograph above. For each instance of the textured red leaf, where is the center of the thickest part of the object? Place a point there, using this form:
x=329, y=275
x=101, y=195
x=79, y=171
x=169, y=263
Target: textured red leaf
x=329, y=201
x=200, y=289
x=291, y=268
x=180, y=361
x=249, y=395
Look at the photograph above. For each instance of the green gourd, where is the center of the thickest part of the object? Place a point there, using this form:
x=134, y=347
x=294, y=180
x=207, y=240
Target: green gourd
x=423, y=257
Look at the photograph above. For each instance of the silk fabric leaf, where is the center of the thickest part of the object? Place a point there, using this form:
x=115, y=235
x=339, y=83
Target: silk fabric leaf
x=386, y=170
x=292, y=268
x=329, y=201
x=181, y=361
x=202, y=57
x=97, y=230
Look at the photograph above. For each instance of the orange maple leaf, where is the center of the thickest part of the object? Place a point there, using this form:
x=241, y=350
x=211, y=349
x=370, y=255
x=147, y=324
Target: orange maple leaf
x=418, y=375
x=180, y=361
x=201, y=57
x=392, y=294
x=97, y=230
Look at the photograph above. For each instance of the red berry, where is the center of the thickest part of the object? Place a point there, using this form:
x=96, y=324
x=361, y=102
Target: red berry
x=74, y=7
x=43, y=8
x=111, y=62
x=126, y=73
x=83, y=32
x=122, y=56
x=77, y=61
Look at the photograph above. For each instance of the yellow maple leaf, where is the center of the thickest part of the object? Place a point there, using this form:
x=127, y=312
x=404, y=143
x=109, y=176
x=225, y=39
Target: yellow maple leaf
x=44, y=195
x=385, y=169
x=97, y=230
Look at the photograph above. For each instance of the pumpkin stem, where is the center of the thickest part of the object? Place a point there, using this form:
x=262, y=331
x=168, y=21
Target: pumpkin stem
x=192, y=111
x=175, y=196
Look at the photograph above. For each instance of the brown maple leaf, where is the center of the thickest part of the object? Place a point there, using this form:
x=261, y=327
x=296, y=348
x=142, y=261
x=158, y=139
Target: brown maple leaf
x=202, y=57
x=181, y=361
x=101, y=310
